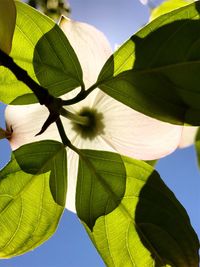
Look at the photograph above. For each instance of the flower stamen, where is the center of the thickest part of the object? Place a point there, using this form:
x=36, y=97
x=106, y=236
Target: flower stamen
x=94, y=126
x=82, y=120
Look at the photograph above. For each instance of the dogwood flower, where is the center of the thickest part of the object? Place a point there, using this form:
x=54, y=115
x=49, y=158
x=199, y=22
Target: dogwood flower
x=113, y=126
x=144, y=2
x=188, y=136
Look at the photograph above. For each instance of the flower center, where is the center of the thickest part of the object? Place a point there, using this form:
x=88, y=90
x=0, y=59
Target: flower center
x=94, y=125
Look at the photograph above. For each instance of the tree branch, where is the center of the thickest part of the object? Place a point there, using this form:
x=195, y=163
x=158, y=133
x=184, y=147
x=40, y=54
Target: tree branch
x=41, y=93
x=53, y=104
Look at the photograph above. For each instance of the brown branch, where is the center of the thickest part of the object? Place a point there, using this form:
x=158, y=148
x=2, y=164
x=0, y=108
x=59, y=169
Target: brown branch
x=44, y=97
x=41, y=93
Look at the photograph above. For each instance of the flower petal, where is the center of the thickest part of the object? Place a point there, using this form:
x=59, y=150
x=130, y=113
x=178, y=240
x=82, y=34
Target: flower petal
x=135, y=134
x=188, y=136
x=26, y=121
x=72, y=172
x=90, y=45
x=144, y=2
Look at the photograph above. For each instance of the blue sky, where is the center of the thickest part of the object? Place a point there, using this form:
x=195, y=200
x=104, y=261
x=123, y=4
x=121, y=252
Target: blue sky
x=70, y=246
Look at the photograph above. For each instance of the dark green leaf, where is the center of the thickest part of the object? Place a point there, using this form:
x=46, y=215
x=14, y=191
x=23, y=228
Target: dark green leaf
x=157, y=70
x=147, y=226
x=7, y=24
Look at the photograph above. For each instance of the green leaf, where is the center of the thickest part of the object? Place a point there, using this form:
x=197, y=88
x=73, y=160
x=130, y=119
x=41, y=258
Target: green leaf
x=41, y=48
x=151, y=162
x=32, y=193
x=45, y=156
x=147, y=226
x=7, y=24
x=156, y=71
x=100, y=187
x=168, y=6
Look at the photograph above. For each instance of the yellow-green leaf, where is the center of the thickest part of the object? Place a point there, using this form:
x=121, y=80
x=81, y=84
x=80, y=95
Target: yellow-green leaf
x=7, y=24
x=32, y=196
x=41, y=48
x=167, y=6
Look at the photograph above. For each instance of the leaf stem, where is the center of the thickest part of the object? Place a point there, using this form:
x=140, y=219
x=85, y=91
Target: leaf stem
x=63, y=136
x=62, y=133
x=80, y=96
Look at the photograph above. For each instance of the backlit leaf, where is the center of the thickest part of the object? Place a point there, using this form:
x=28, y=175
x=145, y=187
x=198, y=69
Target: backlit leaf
x=144, y=225
x=157, y=70
x=167, y=6
x=7, y=24
x=42, y=49
x=32, y=194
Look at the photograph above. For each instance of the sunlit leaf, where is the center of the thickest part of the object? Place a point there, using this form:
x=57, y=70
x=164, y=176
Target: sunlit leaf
x=32, y=194
x=7, y=24
x=41, y=48
x=157, y=70
x=100, y=186
x=151, y=162
x=167, y=6
x=147, y=226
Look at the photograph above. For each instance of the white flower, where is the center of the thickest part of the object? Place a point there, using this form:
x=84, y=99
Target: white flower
x=118, y=128
x=188, y=136
x=144, y=2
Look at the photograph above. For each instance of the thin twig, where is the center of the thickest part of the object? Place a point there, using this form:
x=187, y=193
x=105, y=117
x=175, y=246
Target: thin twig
x=79, y=97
